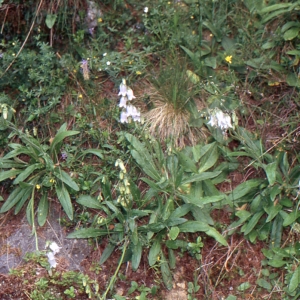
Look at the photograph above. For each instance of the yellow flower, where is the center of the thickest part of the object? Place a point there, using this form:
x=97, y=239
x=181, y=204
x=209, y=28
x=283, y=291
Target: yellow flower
x=37, y=186
x=80, y=96
x=138, y=72
x=228, y=58
x=100, y=20
x=52, y=180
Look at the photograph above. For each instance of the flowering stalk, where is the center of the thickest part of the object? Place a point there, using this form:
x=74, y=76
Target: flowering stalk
x=129, y=111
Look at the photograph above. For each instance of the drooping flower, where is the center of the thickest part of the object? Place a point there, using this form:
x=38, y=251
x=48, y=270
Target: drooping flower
x=51, y=260
x=123, y=88
x=130, y=95
x=123, y=102
x=123, y=117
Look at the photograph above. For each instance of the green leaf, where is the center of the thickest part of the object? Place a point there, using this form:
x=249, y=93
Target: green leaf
x=295, y=280
x=187, y=163
x=264, y=284
x=276, y=232
x=87, y=233
x=247, y=228
x=272, y=211
x=270, y=170
x=276, y=263
x=293, y=80
x=43, y=209
x=136, y=255
x=143, y=157
x=9, y=164
x=61, y=134
x=209, y=159
x=172, y=258
x=96, y=152
x=64, y=199
x=228, y=44
x=64, y=177
x=268, y=45
x=200, y=177
x=231, y=297
x=217, y=236
x=288, y=25
x=244, y=286
x=291, y=33
x=89, y=201
x=26, y=194
x=201, y=202
x=193, y=56
x=30, y=212
x=211, y=62
x=244, y=188
x=291, y=218
x=194, y=226
x=271, y=8
x=50, y=20
x=13, y=198
x=106, y=253
x=166, y=273
x=9, y=174
x=27, y=172
x=173, y=233
x=154, y=252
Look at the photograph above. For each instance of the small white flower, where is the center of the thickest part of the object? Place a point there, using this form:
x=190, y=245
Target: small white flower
x=123, y=117
x=108, y=63
x=123, y=88
x=104, y=54
x=146, y=10
x=51, y=260
x=54, y=248
x=130, y=95
x=123, y=101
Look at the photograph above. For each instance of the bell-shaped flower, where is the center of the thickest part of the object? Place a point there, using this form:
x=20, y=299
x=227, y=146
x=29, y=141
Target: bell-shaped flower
x=51, y=260
x=123, y=88
x=133, y=112
x=123, y=102
x=130, y=95
x=123, y=117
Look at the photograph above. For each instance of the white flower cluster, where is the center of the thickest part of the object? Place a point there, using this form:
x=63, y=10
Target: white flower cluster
x=54, y=250
x=220, y=119
x=129, y=111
